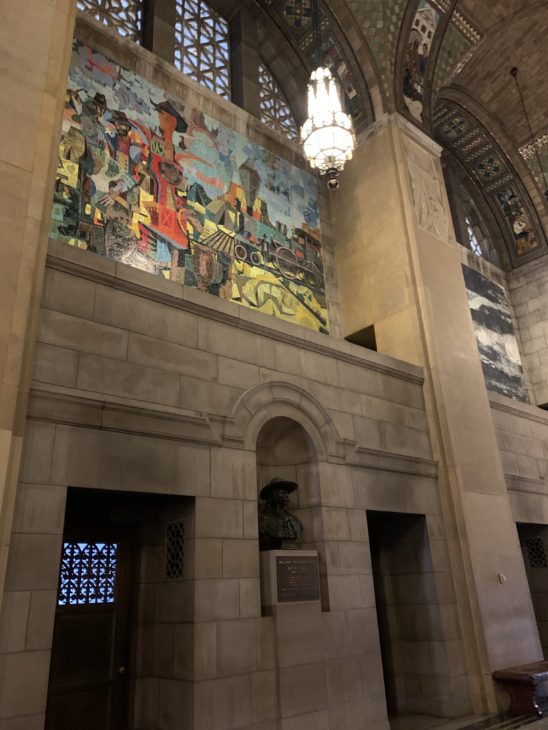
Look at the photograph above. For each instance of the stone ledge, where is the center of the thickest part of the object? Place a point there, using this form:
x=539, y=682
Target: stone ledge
x=69, y=406
x=391, y=462
x=517, y=408
x=516, y=483
x=65, y=258
x=72, y=407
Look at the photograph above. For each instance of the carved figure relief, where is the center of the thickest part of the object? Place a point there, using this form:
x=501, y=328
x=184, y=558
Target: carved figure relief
x=428, y=199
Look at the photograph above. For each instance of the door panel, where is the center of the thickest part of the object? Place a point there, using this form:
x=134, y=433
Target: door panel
x=88, y=678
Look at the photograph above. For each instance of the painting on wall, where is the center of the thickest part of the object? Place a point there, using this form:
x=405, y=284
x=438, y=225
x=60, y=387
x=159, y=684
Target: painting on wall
x=423, y=30
x=497, y=344
x=513, y=210
x=148, y=181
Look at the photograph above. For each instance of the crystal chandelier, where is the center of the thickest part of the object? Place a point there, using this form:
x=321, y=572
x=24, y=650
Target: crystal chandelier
x=327, y=135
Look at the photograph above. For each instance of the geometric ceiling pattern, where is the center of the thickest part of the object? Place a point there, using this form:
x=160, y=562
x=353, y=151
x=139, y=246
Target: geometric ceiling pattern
x=479, y=154
x=380, y=21
x=294, y=18
x=440, y=40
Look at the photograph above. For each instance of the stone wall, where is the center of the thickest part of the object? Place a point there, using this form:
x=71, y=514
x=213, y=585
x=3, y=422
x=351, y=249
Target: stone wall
x=522, y=433
x=142, y=385
x=528, y=286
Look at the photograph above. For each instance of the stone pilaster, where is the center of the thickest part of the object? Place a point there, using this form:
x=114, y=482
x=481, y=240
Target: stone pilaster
x=159, y=28
x=32, y=95
x=399, y=270
x=244, y=61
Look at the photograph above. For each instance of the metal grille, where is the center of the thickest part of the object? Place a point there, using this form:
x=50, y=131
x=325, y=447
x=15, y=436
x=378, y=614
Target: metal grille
x=202, y=45
x=536, y=556
x=275, y=111
x=126, y=16
x=175, y=549
x=88, y=573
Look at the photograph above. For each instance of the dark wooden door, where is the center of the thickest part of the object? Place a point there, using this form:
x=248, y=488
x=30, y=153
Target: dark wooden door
x=88, y=675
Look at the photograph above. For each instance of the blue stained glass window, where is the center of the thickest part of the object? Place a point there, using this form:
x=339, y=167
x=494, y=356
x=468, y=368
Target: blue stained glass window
x=88, y=573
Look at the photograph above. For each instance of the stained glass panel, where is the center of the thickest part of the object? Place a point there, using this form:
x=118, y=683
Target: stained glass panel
x=275, y=111
x=88, y=573
x=126, y=16
x=202, y=49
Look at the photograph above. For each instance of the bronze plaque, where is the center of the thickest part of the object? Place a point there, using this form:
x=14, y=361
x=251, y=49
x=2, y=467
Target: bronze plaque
x=298, y=578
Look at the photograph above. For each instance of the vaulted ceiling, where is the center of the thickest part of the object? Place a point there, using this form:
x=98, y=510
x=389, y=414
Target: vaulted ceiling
x=438, y=62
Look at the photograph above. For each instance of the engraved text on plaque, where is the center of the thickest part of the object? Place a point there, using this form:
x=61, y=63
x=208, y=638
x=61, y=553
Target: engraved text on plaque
x=298, y=578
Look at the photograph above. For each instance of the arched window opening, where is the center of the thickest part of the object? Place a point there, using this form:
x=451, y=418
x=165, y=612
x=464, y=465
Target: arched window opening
x=275, y=111
x=125, y=16
x=202, y=45
x=473, y=237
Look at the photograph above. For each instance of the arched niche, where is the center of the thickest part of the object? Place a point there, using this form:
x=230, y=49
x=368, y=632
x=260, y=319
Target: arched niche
x=286, y=450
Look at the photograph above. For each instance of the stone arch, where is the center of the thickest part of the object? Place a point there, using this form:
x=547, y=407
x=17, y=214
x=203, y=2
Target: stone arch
x=266, y=401
x=519, y=174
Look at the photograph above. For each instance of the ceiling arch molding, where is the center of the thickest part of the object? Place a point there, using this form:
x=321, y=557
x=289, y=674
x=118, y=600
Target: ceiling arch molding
x=363, y=54
x=462, y=127
x=506, y=143
x=421, y=36
x=298, y=33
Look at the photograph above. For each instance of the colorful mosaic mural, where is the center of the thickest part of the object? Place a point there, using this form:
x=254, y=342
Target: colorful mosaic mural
x=421, y=35
x=147, y=181
x=517, y=219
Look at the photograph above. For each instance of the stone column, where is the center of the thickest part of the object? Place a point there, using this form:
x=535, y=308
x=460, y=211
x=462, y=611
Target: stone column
x=399, y=270
x=159, y=28
x=35, y=60
x=244, y=62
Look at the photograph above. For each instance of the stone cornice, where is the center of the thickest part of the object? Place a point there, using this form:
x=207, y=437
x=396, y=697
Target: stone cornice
x=73, y=407
x=516, y=408
x=517, y=483
x=124, y=278
x=391, y=462
x=397, y=120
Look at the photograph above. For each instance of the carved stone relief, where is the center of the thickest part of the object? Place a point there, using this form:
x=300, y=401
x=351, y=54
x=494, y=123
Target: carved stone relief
x=427, y=189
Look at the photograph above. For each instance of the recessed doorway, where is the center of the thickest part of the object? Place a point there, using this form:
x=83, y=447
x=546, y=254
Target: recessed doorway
x=122, y=559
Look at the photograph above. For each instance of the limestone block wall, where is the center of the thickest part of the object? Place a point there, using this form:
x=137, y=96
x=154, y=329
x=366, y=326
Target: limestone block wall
x=417, y=617
x=522, y=433
x=142, y=385
x=528, y=286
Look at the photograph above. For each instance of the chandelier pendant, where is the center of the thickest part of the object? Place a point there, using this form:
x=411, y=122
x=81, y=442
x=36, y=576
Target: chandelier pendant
x=327, y=135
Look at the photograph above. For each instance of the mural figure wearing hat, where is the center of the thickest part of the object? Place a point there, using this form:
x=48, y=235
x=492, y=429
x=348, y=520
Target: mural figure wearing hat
x=278, y=528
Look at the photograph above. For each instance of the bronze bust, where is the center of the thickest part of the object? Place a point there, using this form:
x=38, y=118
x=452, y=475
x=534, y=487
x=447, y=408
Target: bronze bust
x=278, y=528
